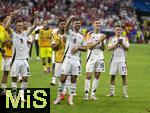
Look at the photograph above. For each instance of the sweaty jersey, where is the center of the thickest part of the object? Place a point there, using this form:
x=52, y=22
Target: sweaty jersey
x=95, y=52
x=118, y=54
x=3, y=36
x=8, y=47
x=44, y=37
x=59, y=52
x=20, y=45
x=73, y=39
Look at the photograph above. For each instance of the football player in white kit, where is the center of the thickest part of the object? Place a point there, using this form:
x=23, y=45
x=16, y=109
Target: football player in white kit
x=95, y=59
x=20, y=46
x=71, y=64
x=118, y=45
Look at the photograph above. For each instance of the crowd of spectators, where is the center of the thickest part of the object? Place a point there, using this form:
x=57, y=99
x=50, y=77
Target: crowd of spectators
x=109, y=12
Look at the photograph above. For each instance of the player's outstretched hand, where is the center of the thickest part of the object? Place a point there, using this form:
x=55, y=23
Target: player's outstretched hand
x=72, y=17
x=13, y=14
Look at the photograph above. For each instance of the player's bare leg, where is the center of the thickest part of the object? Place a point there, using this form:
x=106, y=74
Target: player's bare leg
x=95, y=85
x=44, y=64
x=112, y=86
x=53, y=82
x=48, y=66
x=87, y=85
x=4, y=82
x=14, y=87
x=72, y=89
x=60, y=89
x=67, y=85
x=124, y=83
x=23, y=88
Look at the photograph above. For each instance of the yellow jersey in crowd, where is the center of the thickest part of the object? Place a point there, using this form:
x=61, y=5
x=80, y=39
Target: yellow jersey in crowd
x=45, y=37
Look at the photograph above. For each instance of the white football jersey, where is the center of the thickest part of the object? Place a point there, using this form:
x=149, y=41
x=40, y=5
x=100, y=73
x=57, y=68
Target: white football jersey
x=73, y=39
x=95, y=52
x=20, y=45
x=119, y=54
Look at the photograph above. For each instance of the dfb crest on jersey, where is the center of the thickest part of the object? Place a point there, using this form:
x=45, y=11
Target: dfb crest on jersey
x=21, y=40
x=74, y=40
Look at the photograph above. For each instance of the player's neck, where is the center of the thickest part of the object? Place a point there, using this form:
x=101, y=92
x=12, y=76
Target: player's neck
x=18, y=31
x=45, y=28
x=96, y=31
x=117, y=35
x=61, y=31
x=76, y=30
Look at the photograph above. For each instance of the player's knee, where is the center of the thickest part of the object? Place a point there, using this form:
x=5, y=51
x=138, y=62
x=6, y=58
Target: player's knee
x=88, y=76
x=49, y=59
x=124, y=77
x=63, y=79
x=14, y=79
x=24, y=79
x=73, y=79
x=97, y=75
x=113, y=77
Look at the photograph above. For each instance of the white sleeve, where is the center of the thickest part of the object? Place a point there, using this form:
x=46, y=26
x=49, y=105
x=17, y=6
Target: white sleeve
x=30, y=38
x=68, y=35
x=126, y=42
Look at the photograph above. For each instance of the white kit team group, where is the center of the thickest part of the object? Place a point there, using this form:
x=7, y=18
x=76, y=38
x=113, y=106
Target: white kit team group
x=68, y=43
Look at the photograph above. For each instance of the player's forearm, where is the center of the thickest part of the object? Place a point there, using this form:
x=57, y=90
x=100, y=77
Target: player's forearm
x=91, y=46
x=83, y=48
x=12, y=15
x=7, y=25
x=112, y=47
x=68, y=23
x=35, y=24
x=126, y=48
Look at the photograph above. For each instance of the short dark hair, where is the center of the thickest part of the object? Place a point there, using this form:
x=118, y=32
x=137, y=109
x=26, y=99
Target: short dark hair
x=77, y=19
x=18, y=20
x=95, y=19
x=118, y=25
x=61, y=20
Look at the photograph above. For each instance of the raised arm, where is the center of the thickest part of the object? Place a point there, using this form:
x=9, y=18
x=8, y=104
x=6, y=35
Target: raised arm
x=8, y=23
x=68, y=23
x=35, y=23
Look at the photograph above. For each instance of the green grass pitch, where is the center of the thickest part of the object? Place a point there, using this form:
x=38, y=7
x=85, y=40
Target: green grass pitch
x=138, y=61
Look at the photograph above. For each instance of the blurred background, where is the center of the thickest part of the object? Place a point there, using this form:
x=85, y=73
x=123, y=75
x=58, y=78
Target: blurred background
x=134, y=15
